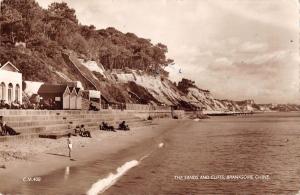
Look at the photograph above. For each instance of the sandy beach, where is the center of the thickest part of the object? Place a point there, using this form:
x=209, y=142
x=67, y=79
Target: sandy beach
x=31, y=157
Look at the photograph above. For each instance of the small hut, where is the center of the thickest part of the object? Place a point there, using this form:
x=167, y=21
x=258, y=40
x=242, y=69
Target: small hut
x=73, y=98
x=66, y=99
x=57, y=96
x=78, y=99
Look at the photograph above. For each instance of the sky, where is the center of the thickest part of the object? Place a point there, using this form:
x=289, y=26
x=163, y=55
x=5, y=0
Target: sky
x=238, y=49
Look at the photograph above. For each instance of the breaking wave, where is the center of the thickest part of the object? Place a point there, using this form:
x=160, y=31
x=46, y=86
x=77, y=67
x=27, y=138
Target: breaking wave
x=103, y=184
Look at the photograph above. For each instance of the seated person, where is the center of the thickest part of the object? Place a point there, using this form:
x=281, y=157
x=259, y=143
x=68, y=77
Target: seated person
x=15, y=105
x=103, y=126
x=77, y=130
x=41, y=106
x=3, y=130
x=45, y=104
x=84, y=133
x=30, y=106
x=3, y=104
x=36, y=100
x=106, y=127
x=92, y=107
x=123, y=126
x=7, y=130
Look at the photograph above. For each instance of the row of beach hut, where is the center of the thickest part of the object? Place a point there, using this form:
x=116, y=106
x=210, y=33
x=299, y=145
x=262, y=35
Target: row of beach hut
x=64, y=96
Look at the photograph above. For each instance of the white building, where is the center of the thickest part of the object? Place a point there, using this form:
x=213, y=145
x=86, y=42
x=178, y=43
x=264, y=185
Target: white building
x=10, y=83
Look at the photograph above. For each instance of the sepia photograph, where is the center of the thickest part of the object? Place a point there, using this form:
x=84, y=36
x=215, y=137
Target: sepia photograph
x=149, y=97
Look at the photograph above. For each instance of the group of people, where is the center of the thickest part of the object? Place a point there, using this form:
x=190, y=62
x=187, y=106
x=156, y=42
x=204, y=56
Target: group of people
x=14, y=105
x=93, y=107
x=5, y=129
x=26, y=105
x=105, y=127
x=81, y=131
x=35, y=102
x=122, y=126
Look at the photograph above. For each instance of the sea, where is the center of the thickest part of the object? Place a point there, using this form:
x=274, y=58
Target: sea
x=250, y=154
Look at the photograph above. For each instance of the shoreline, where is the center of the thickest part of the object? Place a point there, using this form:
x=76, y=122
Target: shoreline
x=85, y=150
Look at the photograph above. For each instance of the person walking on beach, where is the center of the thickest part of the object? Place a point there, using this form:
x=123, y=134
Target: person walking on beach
x=69, y=140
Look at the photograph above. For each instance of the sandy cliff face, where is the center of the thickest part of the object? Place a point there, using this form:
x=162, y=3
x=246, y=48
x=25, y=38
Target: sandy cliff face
x=203, y=99
x=160, y=88
x=165, y=92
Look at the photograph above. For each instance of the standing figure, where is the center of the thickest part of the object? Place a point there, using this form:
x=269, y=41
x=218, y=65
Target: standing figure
x=69, y=141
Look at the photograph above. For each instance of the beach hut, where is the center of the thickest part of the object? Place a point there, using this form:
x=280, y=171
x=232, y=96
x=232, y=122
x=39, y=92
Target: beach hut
x=79, y=99
x=66, y=99
x=73, y=98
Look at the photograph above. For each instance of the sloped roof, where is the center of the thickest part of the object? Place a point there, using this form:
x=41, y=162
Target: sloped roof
x=78, y=90
x=52, y=89
x=9, y=64
x=72, y=88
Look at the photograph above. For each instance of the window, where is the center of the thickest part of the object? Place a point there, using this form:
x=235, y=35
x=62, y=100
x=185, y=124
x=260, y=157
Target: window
x=10, y=92
x=2, y=91
x=17, y=93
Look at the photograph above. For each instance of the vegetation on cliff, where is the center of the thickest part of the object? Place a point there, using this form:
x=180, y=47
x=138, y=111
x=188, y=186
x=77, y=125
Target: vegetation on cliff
x=185, y=84
x=47, y=32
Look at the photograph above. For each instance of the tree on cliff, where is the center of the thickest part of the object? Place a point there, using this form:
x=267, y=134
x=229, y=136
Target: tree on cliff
x=62, y=24
x=21, y=19
x=47, y=32
x=11, y=22
x=185, y=84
